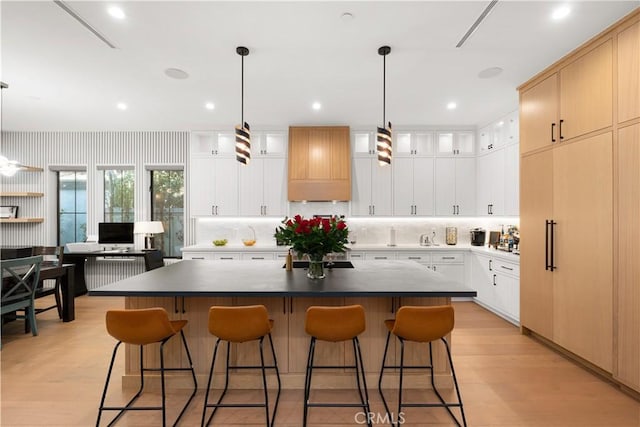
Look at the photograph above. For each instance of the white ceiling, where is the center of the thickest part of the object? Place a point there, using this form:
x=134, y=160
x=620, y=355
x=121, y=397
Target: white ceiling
x=62, y=77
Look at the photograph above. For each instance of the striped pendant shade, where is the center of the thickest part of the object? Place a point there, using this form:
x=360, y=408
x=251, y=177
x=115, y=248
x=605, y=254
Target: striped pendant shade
x=383, y=144
x=243, y=143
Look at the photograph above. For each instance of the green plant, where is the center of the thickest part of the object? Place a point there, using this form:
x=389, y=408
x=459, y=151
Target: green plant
x=315, y=237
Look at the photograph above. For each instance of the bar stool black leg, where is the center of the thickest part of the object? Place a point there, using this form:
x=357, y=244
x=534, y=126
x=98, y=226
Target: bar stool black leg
x=206, y=395
x=307, y=381
x=455, y=382
x=365, y=402
x=164, y=407
x=384, y=360
x=401, y=378
x=264, y=382
x=193, y=375
x=106, y=384
x=275, y=363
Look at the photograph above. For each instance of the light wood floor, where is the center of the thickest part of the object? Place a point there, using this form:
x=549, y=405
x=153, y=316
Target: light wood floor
x=506, y=379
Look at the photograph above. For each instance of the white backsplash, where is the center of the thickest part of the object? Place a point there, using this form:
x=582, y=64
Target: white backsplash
x=368, y=231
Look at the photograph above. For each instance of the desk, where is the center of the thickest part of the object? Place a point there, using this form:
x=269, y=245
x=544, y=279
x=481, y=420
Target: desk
x=66, y=274
x=79, y=259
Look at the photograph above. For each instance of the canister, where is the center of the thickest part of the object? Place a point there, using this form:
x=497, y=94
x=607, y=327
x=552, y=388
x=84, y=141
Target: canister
x=451, y=235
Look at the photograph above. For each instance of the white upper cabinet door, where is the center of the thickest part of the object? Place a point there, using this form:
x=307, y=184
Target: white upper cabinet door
x=381, y=190
x=464, y=143
x=403, y=145
x=402, y=186
x=226, y=145
x=512, y=180
x=513, y=127
x=273, y=144
x=445, y=186
x=250, y=186
x=483, y=185
x=445, y=143
x=424, y=144
x=458, y=143
x=423, y=186
x=226, y=186
x=497, y=173
x=202, y=189
x=363, y=144
x=274, y=186
x=485, y=136
x=361, y=182
x=465, y=186
x=203, y=143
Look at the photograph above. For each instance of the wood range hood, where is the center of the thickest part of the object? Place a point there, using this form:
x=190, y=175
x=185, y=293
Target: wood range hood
x=319, y=163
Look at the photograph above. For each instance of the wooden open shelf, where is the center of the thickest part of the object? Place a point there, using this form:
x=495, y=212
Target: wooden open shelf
x=26, y=168
x=20, y=194
x=20, y=220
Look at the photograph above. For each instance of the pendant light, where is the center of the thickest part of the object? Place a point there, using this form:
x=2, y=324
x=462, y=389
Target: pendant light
x=383, y=136
x=243, y=133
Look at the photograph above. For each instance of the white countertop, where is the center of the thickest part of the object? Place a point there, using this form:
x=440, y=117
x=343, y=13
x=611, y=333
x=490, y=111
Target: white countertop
x=359, y=247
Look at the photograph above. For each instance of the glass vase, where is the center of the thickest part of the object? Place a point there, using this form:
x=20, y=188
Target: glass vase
x=316, y=267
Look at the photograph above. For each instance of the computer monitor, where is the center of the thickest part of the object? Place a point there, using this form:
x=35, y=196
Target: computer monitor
x=115, y=233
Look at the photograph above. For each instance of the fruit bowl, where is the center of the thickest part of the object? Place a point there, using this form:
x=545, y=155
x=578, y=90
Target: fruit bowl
x=220, y=242
x=248, y=242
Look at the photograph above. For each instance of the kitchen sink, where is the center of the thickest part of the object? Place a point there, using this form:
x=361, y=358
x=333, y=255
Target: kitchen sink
x=327, y=264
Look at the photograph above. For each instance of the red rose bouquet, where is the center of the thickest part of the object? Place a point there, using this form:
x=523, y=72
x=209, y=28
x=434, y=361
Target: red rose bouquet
x=315, y=237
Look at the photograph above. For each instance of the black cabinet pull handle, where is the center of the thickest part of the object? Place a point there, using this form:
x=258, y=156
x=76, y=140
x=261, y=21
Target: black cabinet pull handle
x=393, y=303
x=175, y=304
x=552, y=265
x=560, y=129
x=284, y=305
x=506, y=268
x=553, y=139
x=490, y=267
x=183, y=309
x=290, y=305
x=454, y=209
x=546, y=244
x=494, y=280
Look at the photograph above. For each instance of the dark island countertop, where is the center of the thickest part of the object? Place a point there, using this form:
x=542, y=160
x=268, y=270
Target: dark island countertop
x=193, y=278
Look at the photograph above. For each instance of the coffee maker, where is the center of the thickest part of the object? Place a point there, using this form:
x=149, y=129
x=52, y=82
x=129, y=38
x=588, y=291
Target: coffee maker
x=478, y=236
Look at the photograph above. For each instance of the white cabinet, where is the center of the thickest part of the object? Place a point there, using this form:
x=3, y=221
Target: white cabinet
x=370, y=188
x=363, y=144
x=449, y=264
x=263, y=187
x=512, y=180
x=458, y=143
x=500, y=133
x=413, y=186
x=455, y=186
x=212, y=143
x=490, y=183
x=268, y=144
x=497, y=283
x=214, y=184
x=380, y=256
x=406, y=144
x=257, y=256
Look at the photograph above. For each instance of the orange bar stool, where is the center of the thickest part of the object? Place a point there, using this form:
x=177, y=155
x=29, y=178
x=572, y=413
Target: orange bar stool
x=238, y=325
x=142, y=327
x=336, y=324
x=424, y=325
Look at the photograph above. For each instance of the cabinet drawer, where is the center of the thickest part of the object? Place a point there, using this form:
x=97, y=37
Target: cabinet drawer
x=506, y=267
x=420, y=257
x=356, y=255
x=229, y=256
x=198, y=255
x=447, y=258
x=257, y=256
x=381, y=256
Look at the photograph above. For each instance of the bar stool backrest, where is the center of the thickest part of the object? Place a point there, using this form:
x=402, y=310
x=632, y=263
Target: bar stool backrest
x=423, y=324
x=335, y=324
x=239, y=324
x=140, y=326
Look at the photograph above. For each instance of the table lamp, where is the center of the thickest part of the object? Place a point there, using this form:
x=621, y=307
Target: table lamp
x=148, y=228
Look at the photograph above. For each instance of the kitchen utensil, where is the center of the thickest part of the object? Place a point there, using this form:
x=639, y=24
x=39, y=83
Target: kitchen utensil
x=477, y=236
x=452, y=235
x=425, y=240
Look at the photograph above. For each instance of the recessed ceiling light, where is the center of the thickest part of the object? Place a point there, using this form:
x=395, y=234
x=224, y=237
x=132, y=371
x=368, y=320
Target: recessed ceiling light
x=116, y=12
x=209, y=106
x=490, y=72
x=452, y=106
x=561, y=12
x=122, y=106
x=347, y=17
x=176, y=73
x=316, y=106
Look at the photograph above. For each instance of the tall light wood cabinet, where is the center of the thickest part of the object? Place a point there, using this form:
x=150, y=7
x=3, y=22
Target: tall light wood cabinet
x=629, y=73
x=583, y=253
x=628, y=249
x=580, y=286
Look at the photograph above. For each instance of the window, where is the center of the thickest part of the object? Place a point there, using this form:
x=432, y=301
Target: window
x=167, y=205
x=119, y=190
x=72, y=207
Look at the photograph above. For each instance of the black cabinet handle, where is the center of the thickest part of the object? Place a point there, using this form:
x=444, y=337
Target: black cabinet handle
x=393, y=303
x=198, y=257
x=175, y=304
x=454, y=209
x=490, y=267
x=553, y=139
x=546, y=244
x=506, y=268
x=183, y=309
x=284, y=305
x=552, y=265
x=291, y=305
x=494, y=280
x=560, y=129
x=488, y=209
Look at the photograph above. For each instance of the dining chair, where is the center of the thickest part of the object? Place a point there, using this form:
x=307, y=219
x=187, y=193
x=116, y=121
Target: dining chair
x=20, y=278
x=53, y=256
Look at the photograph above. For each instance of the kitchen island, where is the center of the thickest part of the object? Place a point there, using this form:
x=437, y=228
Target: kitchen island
x=188, y=288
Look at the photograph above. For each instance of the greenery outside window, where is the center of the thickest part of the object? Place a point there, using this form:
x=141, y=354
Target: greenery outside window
x=167, y=205
x=119, y=193
x=72, y=206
